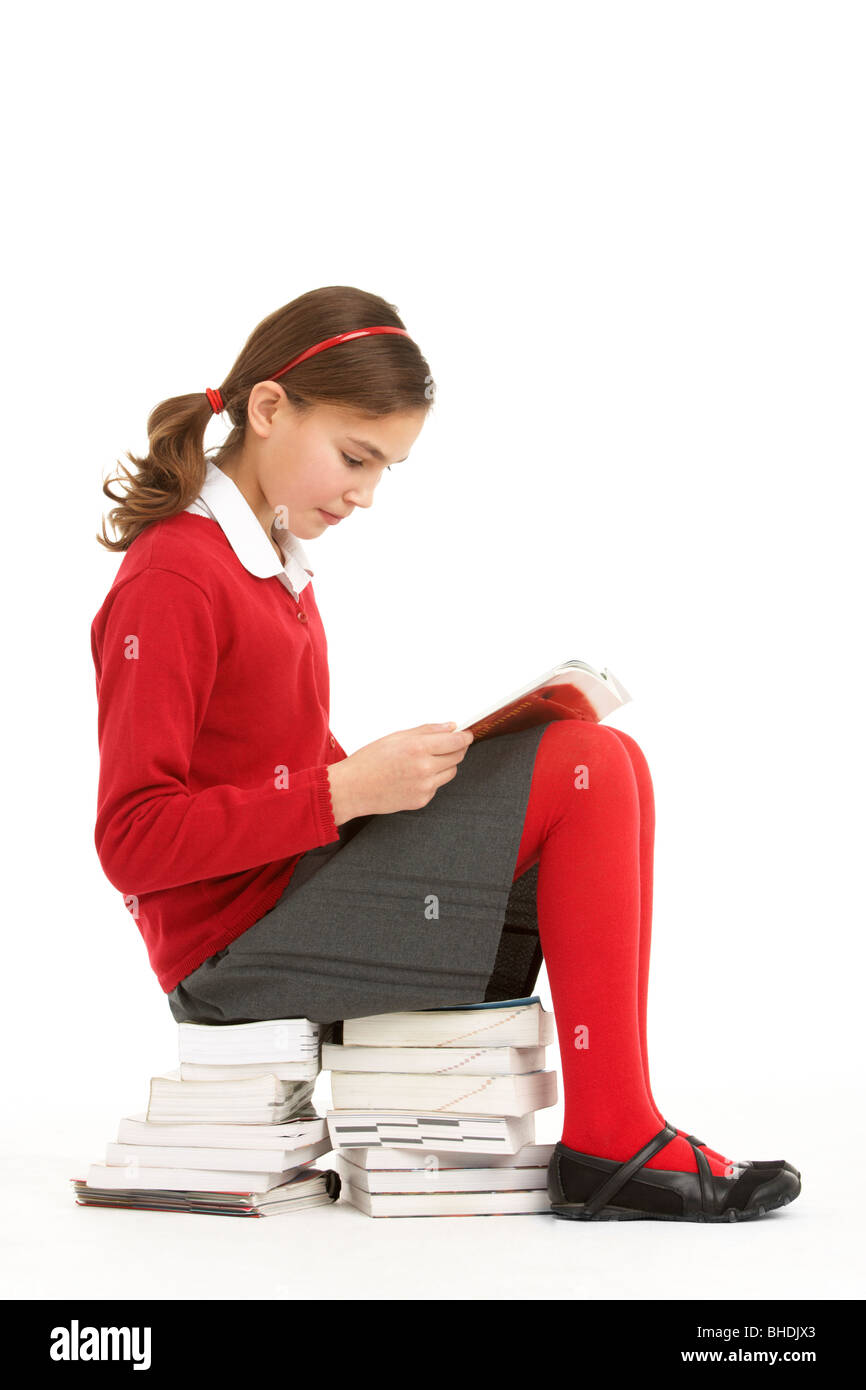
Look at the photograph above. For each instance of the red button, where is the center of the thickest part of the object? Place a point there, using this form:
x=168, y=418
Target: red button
x=302, y=617
x=332, y=741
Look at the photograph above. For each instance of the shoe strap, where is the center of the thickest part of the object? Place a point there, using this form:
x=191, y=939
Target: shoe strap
x=705, y=1173
x=621, y=1175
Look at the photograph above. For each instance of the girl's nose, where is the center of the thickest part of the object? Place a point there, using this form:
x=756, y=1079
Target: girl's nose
x=360, y=496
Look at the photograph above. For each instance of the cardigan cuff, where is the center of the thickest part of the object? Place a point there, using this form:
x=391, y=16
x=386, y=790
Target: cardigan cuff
x=321, y=787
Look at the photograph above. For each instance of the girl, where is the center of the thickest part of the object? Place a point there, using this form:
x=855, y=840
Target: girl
x=270, y=874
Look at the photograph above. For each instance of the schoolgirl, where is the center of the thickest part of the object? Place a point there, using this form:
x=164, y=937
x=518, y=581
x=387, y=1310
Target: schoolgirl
x=272, y=875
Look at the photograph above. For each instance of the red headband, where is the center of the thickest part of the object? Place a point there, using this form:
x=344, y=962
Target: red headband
x=216, y=399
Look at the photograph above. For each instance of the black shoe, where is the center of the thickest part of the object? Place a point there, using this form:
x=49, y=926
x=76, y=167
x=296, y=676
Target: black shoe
x=583, y=1187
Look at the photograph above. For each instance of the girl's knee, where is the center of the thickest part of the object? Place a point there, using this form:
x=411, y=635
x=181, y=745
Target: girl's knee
x=631, y=744
x=587, y=733
x=580, y=745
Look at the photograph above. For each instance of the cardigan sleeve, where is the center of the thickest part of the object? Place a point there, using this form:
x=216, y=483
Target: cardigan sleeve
x=155, y=652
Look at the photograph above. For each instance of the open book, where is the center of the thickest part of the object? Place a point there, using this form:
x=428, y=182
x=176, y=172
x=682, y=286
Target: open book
x=572, y=690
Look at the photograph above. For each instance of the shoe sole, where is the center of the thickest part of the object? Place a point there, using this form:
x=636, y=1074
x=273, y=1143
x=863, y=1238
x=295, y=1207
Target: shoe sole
x=577, y=1212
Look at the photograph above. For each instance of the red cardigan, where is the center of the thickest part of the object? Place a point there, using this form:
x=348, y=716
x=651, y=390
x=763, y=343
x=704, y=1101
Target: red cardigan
x=214, y=740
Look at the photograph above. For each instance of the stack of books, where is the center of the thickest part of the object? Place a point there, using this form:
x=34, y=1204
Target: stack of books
x=434, y=1110
x=231, y=1132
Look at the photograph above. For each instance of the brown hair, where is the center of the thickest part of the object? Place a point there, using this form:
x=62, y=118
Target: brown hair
x=375, y=375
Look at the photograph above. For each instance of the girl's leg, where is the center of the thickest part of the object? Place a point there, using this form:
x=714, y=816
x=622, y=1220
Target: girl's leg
x=646, y=798
x=646, y=801
x=590, y=824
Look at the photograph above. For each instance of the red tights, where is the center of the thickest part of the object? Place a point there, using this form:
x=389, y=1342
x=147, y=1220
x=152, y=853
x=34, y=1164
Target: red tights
x=590, y=824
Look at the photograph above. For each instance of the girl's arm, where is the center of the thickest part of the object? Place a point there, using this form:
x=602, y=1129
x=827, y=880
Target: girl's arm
x=155, y=652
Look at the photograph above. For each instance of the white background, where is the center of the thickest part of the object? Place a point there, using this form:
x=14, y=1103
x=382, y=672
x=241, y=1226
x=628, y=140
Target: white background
x=629, y=240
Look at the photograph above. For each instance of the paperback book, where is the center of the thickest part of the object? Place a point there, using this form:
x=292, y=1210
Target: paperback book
x=571, y=690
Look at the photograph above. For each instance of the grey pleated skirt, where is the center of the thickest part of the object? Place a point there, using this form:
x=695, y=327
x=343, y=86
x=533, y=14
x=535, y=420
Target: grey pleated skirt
x=411, y=910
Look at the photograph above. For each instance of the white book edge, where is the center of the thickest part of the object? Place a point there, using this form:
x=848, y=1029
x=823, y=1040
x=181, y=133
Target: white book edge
x=492, y=1095
x=394, y=1159
x=446, y=1203
x=236, y=1071
x=447, y=1028
x=187, y=1156
x=295, y=1132
x=434, y=1061
x=268, y=1040
x=263, y=1083
x=229, y=1113
x=439, y=1179
x=184, y=1179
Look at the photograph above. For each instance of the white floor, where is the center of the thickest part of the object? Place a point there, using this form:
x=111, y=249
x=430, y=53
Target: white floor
x=810, y=1249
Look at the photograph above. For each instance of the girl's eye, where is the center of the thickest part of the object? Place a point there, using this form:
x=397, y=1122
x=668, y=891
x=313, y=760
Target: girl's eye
x=358, y=463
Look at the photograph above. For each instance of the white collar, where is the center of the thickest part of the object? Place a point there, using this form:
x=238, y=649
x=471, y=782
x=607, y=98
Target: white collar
x=222, y=500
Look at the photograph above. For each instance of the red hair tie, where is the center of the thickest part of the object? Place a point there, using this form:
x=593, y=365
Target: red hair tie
x=216, y=399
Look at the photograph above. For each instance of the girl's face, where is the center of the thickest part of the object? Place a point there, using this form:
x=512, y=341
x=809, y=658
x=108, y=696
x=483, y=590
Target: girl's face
x=329, y=461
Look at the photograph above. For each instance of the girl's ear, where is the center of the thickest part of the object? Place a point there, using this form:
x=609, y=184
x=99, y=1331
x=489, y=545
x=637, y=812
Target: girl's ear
x=266, y=401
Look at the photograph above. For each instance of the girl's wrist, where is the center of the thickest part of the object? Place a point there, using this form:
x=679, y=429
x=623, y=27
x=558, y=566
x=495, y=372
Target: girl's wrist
x=343, y=800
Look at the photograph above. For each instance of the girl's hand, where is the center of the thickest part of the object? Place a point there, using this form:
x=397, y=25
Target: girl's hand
x=400, y=772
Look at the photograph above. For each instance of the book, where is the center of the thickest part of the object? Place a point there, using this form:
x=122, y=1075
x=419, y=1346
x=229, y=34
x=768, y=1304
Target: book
x=522, y=1203
x=504, y=1023
x=442, y=1176
x=250, y=1100
x=571, y=690
x=295, y=1133
x=269, y=1040
x=393, y=1158
x=211, y=1156
x=469, y=1061
x=466, y=1095
x=353, y=1129
x=224, y=1071
x=310, y=1188
x=129, y=1176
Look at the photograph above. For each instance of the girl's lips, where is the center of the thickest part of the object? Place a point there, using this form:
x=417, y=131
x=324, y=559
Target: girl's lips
x=329, y=517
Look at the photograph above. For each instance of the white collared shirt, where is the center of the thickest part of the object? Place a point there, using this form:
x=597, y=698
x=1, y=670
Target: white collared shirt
x=222, y=500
